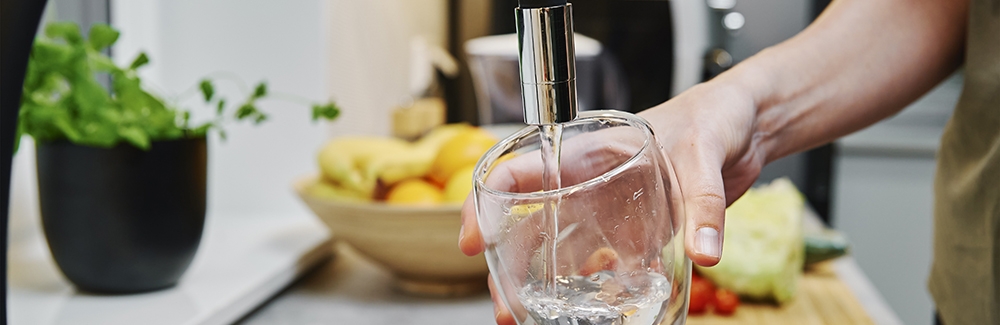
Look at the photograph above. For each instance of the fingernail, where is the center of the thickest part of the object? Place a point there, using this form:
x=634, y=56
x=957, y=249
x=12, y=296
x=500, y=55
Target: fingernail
x=707, y=241
x=461, y=234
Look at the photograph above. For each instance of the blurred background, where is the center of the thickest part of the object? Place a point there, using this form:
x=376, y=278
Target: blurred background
x=375, y=57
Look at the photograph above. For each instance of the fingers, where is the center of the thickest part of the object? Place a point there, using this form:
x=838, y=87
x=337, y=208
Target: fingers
x=523, y=174
x=470, y=240
x=500, y=312
x=700, y=178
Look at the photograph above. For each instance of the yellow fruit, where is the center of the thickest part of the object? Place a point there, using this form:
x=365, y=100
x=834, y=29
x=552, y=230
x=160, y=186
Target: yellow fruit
x=326, y=190
x=415, y=160
x=359, y=163
x=459, y=185
x=525, y=210
x=462, y=150
x=438, y=136
x=354, y=162
x=414, y=192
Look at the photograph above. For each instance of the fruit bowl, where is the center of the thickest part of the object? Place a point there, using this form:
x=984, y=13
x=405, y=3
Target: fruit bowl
x=418, y=245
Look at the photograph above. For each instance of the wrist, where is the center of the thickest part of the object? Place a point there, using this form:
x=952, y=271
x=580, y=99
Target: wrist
x=753, y=84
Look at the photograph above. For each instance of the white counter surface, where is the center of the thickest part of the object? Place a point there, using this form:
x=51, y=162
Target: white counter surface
x=240, y=264
x=352, y=290
x=244, y=261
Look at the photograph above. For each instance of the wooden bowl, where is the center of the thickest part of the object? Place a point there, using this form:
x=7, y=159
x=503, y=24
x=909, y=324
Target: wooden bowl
x=418, y=245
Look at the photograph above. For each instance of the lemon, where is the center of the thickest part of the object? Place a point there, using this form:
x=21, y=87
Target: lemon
x=414, y=192
x=460, y=151
x=524, y=210
x=459, y=185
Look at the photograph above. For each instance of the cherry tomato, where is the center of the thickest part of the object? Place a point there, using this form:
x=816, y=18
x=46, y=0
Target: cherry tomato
x=702, y=295
x=726, y=302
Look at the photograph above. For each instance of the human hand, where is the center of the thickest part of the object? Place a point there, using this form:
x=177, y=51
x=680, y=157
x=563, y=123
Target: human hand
x=708, y=135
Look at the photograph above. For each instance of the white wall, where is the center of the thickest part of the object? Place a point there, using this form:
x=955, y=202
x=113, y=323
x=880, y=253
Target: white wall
x=283, y=42
x=370, y=52
x=356, y=52
x=353, y=51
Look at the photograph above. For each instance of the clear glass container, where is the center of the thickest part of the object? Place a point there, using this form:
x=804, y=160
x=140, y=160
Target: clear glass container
x=604, y=248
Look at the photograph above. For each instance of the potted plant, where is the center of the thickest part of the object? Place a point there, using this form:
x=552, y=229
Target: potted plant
x=121, y=173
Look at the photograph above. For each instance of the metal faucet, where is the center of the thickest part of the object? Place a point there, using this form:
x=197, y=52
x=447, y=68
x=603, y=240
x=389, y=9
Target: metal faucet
x=547, y=61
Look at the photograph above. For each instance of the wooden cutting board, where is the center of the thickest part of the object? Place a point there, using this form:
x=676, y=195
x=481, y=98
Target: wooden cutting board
x=821, y=299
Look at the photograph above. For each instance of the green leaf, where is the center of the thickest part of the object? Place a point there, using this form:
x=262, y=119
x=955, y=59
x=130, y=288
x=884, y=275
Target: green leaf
x=61, y=99
x=245, y=110
x=222, y=134
x=67, y=31
x=260, y=90
x=202, y=129
x=100, y=62
x=50, y=55
x=328, y=111
x=89, y=95
x=135, y=136
x=207, y=90
x=101, y=36
x=220, y=106
x=139, y=61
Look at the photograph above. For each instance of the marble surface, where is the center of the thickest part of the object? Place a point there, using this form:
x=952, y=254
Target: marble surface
x=241, y=263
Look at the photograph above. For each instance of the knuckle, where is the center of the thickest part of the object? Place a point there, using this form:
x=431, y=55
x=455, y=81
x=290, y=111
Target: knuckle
x=708, y=198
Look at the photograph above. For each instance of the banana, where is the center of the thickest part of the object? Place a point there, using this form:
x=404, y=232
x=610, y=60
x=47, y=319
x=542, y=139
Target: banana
x=347, y=161
x=417, y=160
x=359, y=163
x=326, y=190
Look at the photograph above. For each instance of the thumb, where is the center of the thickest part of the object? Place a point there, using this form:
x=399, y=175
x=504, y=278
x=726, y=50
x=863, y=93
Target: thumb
x=699, y=176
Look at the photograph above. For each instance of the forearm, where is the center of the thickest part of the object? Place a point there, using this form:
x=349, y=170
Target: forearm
x=861, y=61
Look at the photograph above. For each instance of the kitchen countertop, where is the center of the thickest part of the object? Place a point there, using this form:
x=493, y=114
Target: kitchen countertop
x=352, y=290
x=241, y=262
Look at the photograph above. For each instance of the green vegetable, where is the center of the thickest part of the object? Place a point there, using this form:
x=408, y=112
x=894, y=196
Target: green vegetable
x=762, y=254
x=824, y=245
x=62, y=99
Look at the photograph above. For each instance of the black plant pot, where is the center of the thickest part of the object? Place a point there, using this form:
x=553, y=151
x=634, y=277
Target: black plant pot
x=123, y=220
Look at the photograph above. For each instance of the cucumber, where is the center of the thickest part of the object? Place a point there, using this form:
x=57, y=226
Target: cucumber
x=824, y=245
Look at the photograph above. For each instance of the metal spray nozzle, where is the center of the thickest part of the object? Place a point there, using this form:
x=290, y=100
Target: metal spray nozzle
x=548, y=63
